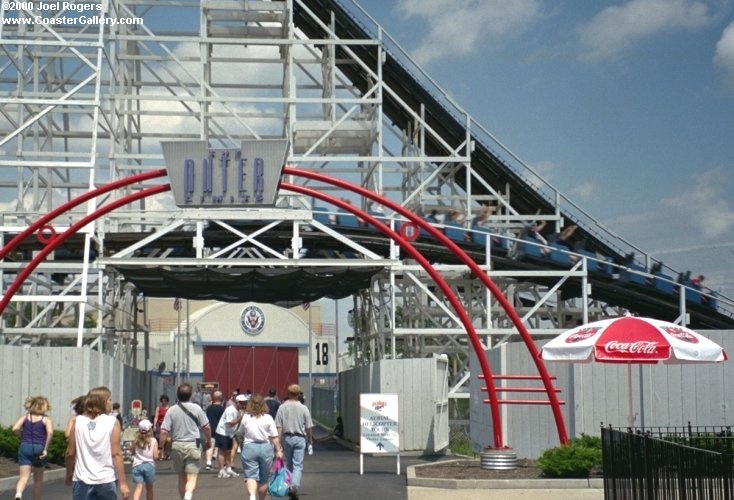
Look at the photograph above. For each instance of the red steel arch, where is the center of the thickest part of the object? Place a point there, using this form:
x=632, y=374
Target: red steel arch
x=54, y=241
x=41, y=223
x=440, y=282
x=477, y=271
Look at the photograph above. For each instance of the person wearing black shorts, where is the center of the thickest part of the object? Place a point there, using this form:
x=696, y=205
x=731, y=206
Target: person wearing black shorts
x=214, y=413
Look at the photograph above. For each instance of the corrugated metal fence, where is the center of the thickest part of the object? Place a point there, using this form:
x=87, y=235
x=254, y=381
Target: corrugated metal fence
x=61, y=374
x=421, y=386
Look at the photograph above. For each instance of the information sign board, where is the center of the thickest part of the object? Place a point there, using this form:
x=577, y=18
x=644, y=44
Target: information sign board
x=379, y=423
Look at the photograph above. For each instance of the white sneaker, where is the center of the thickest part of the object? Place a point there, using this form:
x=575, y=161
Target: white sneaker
x=222, y=474
x=233, y=474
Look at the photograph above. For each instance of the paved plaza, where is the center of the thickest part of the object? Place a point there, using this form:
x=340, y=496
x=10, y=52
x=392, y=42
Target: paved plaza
x=331, y=473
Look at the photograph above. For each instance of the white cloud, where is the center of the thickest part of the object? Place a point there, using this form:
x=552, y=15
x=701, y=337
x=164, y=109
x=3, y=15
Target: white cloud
x=541, y=174
x=456, y=29
x=617, y=28
x=690, y=229
x=586, y=190
x=724, y=56
x=707, y=205
x=7, y=207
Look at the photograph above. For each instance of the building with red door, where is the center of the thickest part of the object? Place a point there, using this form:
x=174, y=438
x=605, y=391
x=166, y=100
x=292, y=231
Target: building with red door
x=248, y=346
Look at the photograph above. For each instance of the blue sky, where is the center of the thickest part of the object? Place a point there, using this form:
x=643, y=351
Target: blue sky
x=625, y=106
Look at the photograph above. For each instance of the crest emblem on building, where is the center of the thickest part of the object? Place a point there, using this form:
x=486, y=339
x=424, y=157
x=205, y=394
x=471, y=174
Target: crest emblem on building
x=252, y=320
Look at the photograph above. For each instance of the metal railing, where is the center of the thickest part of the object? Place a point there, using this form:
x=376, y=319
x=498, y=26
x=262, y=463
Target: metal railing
x=508, y=158
x=668, y=463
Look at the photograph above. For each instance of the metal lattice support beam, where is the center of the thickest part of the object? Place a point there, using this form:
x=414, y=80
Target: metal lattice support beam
x=80, y=108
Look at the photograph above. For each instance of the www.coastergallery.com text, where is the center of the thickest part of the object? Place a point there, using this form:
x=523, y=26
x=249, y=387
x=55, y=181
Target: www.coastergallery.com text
x=61, y=13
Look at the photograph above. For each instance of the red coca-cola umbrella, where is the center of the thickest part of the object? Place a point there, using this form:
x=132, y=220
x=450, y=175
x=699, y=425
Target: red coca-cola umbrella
x=632, y=340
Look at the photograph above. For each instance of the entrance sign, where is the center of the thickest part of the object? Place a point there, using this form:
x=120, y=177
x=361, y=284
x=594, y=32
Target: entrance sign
x=379, y=425
x=202, y=177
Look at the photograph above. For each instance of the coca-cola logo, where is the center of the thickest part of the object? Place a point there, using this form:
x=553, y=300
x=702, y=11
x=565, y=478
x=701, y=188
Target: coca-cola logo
x=680, y=334
x=640, y=347
x=582, y=334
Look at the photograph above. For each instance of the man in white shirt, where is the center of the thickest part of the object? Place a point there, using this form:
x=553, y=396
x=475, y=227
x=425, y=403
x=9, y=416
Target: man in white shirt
x=226, y=428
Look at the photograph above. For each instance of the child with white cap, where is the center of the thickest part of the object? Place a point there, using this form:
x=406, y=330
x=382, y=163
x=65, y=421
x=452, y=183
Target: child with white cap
x=145, y=453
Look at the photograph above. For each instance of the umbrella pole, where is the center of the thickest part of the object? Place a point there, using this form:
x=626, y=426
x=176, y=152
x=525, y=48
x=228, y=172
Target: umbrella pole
x=631, y=416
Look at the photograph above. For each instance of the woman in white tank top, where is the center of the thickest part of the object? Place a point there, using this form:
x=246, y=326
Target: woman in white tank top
x=94, y=455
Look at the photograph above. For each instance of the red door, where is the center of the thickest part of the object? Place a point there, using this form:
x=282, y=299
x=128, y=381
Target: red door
x=258, y=368
x=216, y=366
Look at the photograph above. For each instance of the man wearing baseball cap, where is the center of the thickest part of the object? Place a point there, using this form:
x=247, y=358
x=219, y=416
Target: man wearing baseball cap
x=294, y=427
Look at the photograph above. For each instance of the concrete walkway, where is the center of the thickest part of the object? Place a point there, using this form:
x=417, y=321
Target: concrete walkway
x=419, y=493
x=333, y=473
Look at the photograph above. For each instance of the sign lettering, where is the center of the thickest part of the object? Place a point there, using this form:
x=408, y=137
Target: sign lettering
x=379, y=423
x=204, y=177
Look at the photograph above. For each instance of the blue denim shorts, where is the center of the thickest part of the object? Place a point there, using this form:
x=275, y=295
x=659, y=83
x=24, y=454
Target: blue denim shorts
x=257, y=460
x=82, y=491
x=26, y=452
x=144, y=473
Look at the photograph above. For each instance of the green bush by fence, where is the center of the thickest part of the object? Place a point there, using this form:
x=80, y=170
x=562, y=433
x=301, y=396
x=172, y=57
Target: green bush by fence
x=580, y=458
x=9, y=443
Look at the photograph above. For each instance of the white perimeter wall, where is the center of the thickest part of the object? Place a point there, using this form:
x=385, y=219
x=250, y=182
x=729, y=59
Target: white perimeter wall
x=421, y=386
x=61, y=374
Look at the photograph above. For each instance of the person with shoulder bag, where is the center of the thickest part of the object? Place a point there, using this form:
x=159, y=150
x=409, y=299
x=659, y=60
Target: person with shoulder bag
x=186, y=422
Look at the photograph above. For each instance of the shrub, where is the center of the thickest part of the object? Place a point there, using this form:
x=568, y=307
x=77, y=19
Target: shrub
x=586, y=441
x=57, y=448
x=9, y=443
x=578, y=459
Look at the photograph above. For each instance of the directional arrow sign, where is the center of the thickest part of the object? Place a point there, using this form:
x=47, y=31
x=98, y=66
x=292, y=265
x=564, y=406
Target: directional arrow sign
x=379, y=423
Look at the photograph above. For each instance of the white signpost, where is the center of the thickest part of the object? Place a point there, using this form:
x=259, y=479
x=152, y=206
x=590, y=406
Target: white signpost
x=379, y=426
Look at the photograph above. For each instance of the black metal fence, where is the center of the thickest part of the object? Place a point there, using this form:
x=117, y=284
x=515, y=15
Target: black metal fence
x=668, y=463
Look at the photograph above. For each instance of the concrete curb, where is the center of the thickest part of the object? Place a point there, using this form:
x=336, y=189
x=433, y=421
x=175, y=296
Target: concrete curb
x=501, y=484
x=8, y=483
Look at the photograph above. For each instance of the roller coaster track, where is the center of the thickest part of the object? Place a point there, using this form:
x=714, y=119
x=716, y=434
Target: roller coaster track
x=410, y=86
